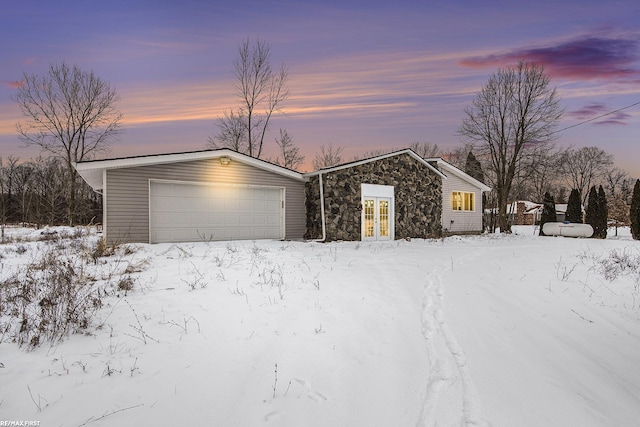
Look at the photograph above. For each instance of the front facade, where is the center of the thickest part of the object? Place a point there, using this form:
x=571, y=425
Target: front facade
x=208, y=195
x=393, y=196
x=226, y=195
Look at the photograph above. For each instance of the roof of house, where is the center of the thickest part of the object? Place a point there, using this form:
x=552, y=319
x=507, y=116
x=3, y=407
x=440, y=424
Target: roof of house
x=376, y=158
x=92, y=170
x=534, y=208
x=449, y=168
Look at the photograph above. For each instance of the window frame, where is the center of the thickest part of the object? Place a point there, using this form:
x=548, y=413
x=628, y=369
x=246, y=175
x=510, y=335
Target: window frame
x=465, y=199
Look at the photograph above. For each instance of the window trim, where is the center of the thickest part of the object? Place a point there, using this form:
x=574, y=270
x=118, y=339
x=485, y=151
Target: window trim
x=462, y=201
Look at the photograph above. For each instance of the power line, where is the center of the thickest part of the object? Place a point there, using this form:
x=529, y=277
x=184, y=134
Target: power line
x=598, y=117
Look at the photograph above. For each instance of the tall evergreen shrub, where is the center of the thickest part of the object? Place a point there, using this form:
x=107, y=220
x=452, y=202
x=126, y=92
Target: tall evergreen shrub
x=591, y=217
x=548, y=211
x=634, y=212
x=574, y=207
x=603, y=214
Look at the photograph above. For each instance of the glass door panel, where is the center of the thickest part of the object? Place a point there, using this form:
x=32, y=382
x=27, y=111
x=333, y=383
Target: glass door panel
x=369, y=218
x=376, y=218
x=383, y=215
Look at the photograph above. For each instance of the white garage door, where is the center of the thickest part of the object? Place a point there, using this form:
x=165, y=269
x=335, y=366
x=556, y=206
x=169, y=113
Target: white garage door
x=187, y=212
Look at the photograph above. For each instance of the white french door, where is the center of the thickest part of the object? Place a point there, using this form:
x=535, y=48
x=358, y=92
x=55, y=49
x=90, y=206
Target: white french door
x=376, y=218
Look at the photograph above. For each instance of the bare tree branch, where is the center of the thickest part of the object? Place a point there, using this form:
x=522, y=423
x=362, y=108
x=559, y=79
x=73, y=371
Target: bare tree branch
x=515, y=112
x=328, y=156
x=289, y=156
x=69, y=113
x=261, y=92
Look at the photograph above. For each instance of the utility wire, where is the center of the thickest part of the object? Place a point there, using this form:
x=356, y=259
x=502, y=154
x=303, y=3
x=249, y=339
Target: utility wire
x=597, y=117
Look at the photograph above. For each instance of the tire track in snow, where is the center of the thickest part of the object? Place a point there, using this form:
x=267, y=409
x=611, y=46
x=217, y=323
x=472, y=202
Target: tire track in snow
x=450, y=398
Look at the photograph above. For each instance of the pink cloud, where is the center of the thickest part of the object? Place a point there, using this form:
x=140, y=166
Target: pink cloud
x=583, y=59
x=13, y=85
x=590, y=111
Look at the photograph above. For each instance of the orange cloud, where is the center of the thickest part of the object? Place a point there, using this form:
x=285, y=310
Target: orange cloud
x=13, y=85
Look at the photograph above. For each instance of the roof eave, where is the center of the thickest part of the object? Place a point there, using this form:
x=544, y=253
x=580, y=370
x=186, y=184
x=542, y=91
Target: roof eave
x=373, y=159
x=92, y=171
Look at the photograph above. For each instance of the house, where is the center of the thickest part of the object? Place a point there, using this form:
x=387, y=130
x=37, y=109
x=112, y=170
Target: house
x=523, y=212
x=461, y=200
x=225, y=195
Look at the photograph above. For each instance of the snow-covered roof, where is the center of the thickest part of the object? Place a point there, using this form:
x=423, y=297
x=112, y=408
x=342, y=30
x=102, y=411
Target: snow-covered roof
x=533, y=208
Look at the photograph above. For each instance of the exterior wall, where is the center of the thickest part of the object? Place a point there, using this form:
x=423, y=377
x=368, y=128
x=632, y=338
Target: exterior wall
x=417, y=192
x=126, y=194
x=522, y=217
x=460, y=221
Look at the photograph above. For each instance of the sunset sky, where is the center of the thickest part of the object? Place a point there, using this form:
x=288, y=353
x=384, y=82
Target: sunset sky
x=365, y=75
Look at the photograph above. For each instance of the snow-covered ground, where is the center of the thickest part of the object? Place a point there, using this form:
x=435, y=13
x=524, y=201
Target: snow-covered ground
x=497, y=330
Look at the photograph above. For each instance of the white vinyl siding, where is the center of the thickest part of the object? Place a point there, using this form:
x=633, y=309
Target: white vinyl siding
x=127, y=193
x=461, y=221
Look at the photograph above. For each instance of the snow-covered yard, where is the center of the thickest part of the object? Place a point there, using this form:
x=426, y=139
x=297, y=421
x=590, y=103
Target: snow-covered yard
x=494, y=330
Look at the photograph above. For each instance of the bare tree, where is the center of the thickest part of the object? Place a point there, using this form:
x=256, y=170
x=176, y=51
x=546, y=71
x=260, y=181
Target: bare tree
x=373, y=153
x=232, y=132
x=289, y=155
x=71, y=114
x=261, y=91
x=457, y=156
x=23, y=181
x=618, y=212
x=514, y=112
x=425, y=149
x=328, y=156
x=3, y=199
x=585, y=168
x=47, y=186
x=539, y=173
x=618, y=183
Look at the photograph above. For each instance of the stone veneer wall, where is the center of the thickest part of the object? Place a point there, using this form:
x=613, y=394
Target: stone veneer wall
x=417, y=193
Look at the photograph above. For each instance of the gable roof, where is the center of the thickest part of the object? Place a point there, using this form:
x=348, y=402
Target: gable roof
x=408, y=151
x=92, y=170
x=450, y=169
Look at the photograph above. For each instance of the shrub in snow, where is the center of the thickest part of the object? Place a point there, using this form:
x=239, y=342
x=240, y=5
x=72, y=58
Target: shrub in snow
x=548, y=211
x=593, y=211
x=603, y=214
x=53, y=295
x=634, y=212
x=48, y=299
x=574, y=207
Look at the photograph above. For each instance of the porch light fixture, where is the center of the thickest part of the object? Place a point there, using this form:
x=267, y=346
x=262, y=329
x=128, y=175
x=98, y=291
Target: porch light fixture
x=224, y=160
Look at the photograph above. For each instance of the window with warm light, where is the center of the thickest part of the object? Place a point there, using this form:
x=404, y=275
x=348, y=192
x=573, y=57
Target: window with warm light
x=463, y=201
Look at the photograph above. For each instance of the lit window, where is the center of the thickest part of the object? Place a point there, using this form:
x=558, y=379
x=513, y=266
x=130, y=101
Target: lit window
x=463, y=201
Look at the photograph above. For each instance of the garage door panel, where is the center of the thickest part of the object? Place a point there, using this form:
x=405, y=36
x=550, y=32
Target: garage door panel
x=191, y=212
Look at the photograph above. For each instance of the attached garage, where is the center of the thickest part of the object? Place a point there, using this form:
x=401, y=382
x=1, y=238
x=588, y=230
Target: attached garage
x=204, y=195
x=187, y=212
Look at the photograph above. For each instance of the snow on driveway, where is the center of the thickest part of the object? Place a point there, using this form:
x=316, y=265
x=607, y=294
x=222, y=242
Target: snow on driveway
x=485, y=330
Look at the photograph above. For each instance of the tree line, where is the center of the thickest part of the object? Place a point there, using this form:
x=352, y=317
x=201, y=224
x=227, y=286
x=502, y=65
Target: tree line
x=36, y=192
x=508, y=132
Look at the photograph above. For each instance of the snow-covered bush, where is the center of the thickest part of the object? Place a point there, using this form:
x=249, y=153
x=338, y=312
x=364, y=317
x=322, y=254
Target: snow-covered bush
x=47, y=299
x=58, y=291
x=617, y=262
